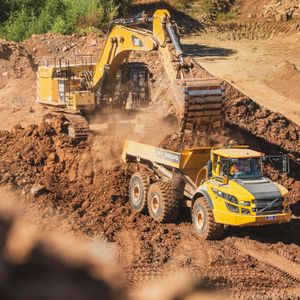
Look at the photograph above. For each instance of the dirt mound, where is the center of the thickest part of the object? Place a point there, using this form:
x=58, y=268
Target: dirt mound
x=19, y=63
x=279, y=10
x=71, y=190
x=282, y=10
x=50, y=45
x=285, y=79
x=15, y=62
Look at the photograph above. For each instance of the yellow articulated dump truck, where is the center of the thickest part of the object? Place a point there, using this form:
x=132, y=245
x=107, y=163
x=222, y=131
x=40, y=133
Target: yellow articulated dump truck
x=221, y=186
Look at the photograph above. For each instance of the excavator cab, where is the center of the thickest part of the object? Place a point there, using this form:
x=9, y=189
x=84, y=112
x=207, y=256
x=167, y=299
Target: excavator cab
x=130, y=88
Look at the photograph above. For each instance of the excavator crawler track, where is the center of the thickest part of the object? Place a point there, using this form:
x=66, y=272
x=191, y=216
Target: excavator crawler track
x=79, y=133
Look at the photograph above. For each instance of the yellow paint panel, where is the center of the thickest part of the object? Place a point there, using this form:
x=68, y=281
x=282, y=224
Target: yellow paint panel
x=45, y=71
x=228, y=218
x=153, y=154
x=45, y=89
x=158, y=31
x=84, y=100
x=237, y=153
x=55, y=90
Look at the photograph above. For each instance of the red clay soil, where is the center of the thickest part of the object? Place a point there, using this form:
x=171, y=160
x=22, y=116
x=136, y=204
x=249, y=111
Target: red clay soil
x=36, y=266
x=70, y=191
x=68, y=186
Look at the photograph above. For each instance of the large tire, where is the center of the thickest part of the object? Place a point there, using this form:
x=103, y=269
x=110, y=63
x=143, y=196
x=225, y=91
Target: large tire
x=138, y=191
x=204, y=222
x=162, y=206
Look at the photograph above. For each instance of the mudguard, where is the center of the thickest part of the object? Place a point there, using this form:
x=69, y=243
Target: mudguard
x=201, y=192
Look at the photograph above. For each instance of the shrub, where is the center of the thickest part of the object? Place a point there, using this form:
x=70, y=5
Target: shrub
x=63, y=16
x=19, y=26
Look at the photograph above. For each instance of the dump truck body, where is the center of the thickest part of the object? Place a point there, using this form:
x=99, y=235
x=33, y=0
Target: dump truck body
x=239, y=199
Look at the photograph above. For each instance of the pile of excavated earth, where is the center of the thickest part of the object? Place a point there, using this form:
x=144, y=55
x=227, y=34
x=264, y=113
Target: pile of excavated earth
x=80, y=189
x=277, y=80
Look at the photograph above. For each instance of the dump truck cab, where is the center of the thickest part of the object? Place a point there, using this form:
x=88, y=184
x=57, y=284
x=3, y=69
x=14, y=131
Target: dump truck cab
x=221, y=186
x=238, y=192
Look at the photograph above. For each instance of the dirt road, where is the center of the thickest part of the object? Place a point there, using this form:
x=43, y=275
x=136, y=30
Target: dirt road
x=250, y=64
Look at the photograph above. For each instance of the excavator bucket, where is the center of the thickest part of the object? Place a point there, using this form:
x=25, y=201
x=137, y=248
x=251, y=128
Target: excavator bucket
x=199, y=103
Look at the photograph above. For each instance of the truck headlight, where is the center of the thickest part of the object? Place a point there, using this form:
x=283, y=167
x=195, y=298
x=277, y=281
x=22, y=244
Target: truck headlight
x=232, y=199
x=225, y=196
x=245, y=203
x=232, y=208
x=245, y=211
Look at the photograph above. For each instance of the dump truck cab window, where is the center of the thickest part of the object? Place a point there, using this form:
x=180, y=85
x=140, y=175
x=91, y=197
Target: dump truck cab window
x=224, y=171
x=245, y=168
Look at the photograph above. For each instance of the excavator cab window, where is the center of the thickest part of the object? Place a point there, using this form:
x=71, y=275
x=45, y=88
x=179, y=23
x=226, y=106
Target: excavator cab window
x=138, y=76
x=132, y=85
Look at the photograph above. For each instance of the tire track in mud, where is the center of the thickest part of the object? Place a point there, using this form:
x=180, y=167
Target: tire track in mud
x=289, y=269
x=218, y=263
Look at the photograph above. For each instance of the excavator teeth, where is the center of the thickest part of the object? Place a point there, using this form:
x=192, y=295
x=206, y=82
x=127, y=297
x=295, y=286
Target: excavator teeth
x=203, y=104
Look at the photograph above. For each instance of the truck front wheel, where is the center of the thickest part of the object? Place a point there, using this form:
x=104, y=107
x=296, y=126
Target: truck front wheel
x=204, y=222
x=162, y=206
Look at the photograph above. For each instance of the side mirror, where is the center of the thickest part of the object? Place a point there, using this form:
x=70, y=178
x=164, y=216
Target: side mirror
x=209, y=168
x=286, y=164
x=279, y=162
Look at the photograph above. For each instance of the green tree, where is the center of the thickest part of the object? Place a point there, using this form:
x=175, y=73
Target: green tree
x=19, y=26
x=34, y=6
x=52, y=13
x=21, y=18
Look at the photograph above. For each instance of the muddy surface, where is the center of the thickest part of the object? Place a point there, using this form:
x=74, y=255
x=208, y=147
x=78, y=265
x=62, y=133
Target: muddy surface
x=80, y=189
x=61, y=185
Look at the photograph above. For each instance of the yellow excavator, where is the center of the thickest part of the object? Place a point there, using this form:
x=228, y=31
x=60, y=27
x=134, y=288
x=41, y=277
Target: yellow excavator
x=113, y=82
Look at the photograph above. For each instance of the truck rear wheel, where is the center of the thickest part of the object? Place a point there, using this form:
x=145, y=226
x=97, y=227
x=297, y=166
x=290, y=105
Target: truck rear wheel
x=204, y=222
x=138, y=191
x=162, y=206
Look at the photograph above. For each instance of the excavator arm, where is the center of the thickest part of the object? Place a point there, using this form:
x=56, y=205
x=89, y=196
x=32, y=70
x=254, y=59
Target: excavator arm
x=198, y=102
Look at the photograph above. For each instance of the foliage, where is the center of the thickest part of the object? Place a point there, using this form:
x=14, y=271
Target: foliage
x=230, y=15
x=207, y=6
x=19, y=19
